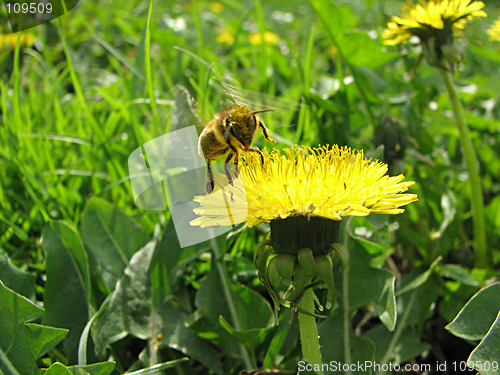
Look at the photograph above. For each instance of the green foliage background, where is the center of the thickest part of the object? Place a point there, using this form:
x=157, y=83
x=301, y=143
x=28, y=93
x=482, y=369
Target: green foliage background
x=77, y=103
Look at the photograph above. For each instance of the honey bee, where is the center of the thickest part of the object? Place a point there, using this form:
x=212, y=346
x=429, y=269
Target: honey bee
x=230, y=132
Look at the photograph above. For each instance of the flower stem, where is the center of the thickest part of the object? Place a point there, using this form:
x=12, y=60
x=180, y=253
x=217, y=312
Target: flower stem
x=481, y=256
x=309, y=338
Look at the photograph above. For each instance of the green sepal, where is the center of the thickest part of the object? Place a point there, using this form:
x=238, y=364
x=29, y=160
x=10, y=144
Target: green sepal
x=262, y=257
x=342, y=252
x=306, y=261
x=272, y=272
x=257, y=252
x=271, y=275
x=285, y=265
x=324, y=272
x=300, y=281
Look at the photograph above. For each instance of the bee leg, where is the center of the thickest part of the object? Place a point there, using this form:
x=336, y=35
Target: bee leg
x=266, y=132
x=259, y=152
x=228, y=172
x=233, y=154
x=211, y=183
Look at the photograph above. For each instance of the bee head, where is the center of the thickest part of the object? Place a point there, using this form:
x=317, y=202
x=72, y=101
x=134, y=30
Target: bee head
x=244, y=124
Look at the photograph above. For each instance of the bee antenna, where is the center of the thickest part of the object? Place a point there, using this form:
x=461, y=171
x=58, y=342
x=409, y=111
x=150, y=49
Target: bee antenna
x=264, y=110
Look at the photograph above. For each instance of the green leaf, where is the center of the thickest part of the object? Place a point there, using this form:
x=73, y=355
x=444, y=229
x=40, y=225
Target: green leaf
x=458, y=273
x=359, y=49
x=331, y=333
x=476, y=317
x=112, y=237
x=167, y=257
x=199, y=323
x=102, y=368
x=366, y=284
x=175, y=335
x=337, y=20
x=386, y=306
x=19, y=281
x=59, y=369
x=254, y=314
x=68, y=284
x=129, y=310
x=158, y=367
x=418, y=280
x=22, y=343
x=488, y=351
x=356, y=48
x=408, y=346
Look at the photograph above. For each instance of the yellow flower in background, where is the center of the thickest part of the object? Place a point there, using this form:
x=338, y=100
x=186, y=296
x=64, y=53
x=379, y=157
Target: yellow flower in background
x=494, y=31
x=333, y=51
x=224, y=37
x=269, y=38
x=328, y=182
x=441, y=19
x=9, y=40
x=216, y=7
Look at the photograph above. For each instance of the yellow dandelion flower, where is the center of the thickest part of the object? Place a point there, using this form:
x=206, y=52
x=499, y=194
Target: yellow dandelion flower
x=269, y=38
x=216, y=7
x=328, y=182
x=9, y=40
x=440, y=19
x=333, y=51
x=303, y=194
x=224, y=37
x=494, y=31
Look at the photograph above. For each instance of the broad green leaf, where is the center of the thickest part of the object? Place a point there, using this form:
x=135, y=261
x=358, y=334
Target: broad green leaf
x=158, y=367
x=337, y=20
x=129, y=310
x=59, y=369
x=366, y=284
x=68, y=284
x=253, y=313
x=278, y=339
x=102, y=368
x=199, y=323
x=250, y=338
x=168, y=255
x=458, y=273
x=331, y=334
x=175, y=335
x=19, y=281
x=22, y=343
x=418, y=280
x=359, y=49
x=476, y=317
x=386, y=306
x=356, y=47
x=112, y=237
x=407, y=347
x=487, y=353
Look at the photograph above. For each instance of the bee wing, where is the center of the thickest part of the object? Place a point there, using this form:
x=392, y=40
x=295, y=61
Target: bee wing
x=184, y=112
x=281, y=122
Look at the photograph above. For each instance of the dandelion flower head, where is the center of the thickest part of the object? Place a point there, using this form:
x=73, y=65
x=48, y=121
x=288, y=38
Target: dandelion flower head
x=435, y=18
x=329, y=182
x=494, y=31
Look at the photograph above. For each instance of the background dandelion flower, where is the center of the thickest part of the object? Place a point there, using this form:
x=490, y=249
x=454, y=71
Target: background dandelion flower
x=441, y=19
x=494, y=31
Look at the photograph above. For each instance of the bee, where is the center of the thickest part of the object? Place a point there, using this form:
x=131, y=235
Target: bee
x=230, y=132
